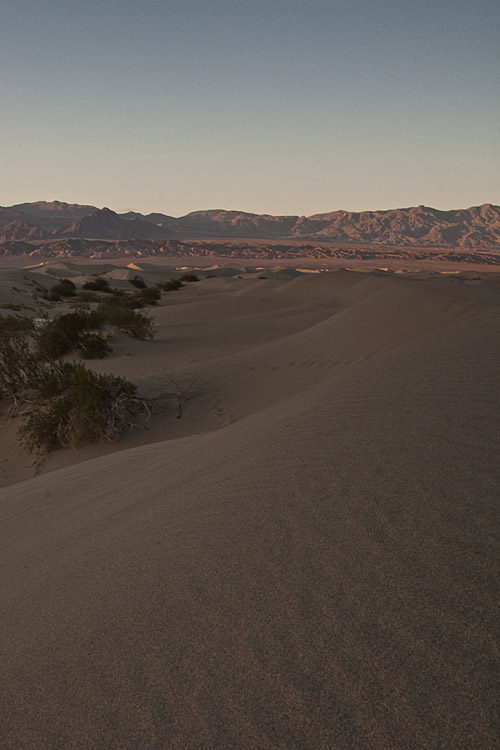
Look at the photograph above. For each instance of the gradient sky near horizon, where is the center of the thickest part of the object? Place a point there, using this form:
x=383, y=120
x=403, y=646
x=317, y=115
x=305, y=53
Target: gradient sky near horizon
x=272, y=106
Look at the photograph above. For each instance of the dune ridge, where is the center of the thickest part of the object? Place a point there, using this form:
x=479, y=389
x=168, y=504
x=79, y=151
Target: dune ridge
x=307, y=559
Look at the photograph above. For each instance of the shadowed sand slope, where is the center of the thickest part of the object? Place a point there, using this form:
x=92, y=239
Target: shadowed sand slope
x=320, y=574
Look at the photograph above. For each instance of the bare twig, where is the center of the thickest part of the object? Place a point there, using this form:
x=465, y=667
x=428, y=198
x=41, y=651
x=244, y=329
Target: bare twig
x=184, y=387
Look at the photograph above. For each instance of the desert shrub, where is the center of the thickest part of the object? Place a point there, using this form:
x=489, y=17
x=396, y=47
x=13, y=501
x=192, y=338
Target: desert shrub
x=93, y=346
x=121, y=299
x=211, y=276
x=77, y=406
x=148, y=296
x=11, y=306
x=138, y=282
x=189, y=277
x=63, y=334
x=262, y=277
x=86, y=296
x=136, y=324
x=15, y=324
x=19, y=367
x=41, y=291
x=64, y=288
x=98, y=285
x=171, y=285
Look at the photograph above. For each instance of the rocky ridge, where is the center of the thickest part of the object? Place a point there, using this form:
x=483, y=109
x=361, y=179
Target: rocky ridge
x=60, y=229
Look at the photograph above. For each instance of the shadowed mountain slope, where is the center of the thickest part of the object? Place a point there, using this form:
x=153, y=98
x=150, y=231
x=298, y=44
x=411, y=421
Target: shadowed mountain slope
x=471, y=228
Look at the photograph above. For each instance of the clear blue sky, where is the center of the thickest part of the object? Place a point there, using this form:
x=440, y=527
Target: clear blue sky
x=273, y=106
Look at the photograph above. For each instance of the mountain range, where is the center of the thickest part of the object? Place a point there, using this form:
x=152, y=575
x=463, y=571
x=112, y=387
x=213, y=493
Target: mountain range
x=471, y=228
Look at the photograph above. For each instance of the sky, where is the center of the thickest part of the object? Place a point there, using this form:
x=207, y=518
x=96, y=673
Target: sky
x=269, y=106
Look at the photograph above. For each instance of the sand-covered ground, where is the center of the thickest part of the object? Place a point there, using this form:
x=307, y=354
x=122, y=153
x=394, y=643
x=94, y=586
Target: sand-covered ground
x=308, y=558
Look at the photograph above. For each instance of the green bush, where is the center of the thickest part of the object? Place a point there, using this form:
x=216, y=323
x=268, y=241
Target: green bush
x=134, y=300
x=86, y=296
x=171, y=285
x=63, y=334
x=98, y=285
x=136, y=324
x=93, y=346
x=120, y=298
x=77, y=406
x=19, y=367
x=64, y=288
x=138, y=282
x=189, y=277
x=148, y=296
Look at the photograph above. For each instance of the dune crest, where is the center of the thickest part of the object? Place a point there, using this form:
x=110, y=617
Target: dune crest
x=307, y=558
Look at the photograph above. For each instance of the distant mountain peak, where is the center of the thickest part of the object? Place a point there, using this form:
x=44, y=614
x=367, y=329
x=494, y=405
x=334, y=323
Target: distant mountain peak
x=477, y=227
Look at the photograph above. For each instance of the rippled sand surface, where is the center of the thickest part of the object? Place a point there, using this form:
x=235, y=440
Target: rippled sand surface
x=307, y=559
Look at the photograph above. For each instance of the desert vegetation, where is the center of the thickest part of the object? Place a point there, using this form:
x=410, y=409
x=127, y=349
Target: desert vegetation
x=19, y=365
x=75, y=406
x=60, y=401
x=138, y=282
x=120, y=313
x=63, y=288
x=98, y=285
x=65, y=333
x=189, y=277
x=172, y=285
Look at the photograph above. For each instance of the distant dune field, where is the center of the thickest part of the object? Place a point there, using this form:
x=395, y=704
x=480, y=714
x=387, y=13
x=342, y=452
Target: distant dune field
x=307, y=559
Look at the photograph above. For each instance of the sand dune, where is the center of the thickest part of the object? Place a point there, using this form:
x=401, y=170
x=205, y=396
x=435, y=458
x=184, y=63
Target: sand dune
x=307, y=559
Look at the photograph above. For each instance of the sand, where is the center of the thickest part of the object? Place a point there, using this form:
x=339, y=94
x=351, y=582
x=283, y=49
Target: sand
x=307, y=559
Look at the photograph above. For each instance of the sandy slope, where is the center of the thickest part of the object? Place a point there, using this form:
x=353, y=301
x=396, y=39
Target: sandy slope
x=307, y=559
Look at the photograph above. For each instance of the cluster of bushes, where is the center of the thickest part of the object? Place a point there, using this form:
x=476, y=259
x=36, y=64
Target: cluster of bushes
x=69, y=405
x=91, y=289
x=65, y=333
x=78, y=330
x=57, y=292
x=122, y=314
x=173, y=284
x=168, y=286
x=145, y=296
